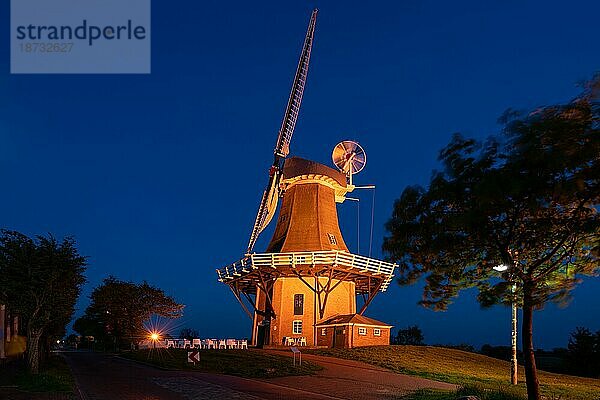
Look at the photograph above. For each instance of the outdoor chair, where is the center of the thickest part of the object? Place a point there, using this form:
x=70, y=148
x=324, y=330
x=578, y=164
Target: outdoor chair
x=222, y=344
x=302, y=341
x=290, y=341
x=242, y=344
x=232, y=344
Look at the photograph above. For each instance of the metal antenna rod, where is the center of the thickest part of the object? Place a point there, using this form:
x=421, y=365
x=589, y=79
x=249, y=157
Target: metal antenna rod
x=357, y=227
x=372, y=222
x=357, y=222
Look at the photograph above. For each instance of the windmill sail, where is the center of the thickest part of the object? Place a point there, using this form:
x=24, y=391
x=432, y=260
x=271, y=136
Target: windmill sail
x=270, y=196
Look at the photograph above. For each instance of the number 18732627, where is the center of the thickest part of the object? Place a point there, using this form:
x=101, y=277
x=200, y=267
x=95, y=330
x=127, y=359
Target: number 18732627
x=46, y=47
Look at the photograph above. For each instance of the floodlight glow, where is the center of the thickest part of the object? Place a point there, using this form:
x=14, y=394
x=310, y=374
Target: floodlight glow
x=501, y=267
x=154, y=336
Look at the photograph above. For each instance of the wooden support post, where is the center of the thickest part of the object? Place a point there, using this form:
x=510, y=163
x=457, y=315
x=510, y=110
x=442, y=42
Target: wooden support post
x=372, y=293
x=236, y=292
x=266, y=287
x=327, y=290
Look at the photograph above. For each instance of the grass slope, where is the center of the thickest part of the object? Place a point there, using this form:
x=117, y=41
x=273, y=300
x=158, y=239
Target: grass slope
x=245, y=363
x=467, y=369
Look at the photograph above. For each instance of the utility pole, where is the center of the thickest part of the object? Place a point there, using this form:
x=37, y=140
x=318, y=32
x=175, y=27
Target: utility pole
x=514, y=367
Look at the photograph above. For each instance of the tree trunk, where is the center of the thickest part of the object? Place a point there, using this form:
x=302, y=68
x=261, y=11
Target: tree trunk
x=33, y=351
x=2, y=323
x=531, y=376
x=44, y=349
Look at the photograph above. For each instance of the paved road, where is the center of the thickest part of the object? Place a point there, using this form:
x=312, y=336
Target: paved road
x=107, y=377
x=357, y=380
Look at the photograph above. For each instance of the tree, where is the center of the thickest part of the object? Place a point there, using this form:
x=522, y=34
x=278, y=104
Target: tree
x=189, y=333
x=527, y=198
x=87, y=326
x=500, y=352
x=583, y=355
x=40, y=280
x=121, y=308
x=411, y=335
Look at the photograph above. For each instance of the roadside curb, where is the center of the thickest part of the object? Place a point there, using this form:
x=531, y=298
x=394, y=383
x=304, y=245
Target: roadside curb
x=77, y=390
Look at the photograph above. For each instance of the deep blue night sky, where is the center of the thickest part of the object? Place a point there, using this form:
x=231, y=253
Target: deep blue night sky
x=159, y=176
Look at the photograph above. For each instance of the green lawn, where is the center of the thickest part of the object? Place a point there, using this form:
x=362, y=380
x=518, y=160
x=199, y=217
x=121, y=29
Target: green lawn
x=246, y=363
x=476, y=372
x=55, y=376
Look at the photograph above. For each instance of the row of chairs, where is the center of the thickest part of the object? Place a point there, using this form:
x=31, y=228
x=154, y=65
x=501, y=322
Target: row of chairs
x=294, y=341
x=224, y=344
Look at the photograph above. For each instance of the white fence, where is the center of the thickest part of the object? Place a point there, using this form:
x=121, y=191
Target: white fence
x=204, y=343
x=342, y=259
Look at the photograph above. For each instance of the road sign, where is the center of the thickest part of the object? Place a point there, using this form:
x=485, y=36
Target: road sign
x=295, y=350
x=193, y=356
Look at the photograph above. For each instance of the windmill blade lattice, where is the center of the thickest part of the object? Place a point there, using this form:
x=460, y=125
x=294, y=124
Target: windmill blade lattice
x=268, y=203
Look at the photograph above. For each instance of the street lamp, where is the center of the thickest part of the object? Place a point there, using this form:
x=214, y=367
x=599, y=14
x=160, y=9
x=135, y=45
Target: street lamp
x=154, y=336
x=513, y=337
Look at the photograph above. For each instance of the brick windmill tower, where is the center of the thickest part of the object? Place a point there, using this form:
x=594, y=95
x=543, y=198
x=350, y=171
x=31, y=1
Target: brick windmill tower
x=303, y=289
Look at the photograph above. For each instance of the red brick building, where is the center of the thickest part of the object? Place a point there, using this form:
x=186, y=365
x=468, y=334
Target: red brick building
x=352, y=330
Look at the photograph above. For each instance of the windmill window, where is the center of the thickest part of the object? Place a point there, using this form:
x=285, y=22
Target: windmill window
x=323, y=331
x=297, y=327
x=362, y=331
x=332, y=239
x=298, y=304
x=376, y=332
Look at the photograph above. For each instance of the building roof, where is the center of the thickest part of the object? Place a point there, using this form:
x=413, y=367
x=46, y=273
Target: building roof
x=356, y=319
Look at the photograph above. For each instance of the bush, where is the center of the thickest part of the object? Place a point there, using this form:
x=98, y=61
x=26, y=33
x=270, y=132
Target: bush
x=583, y=357
x=411, y=335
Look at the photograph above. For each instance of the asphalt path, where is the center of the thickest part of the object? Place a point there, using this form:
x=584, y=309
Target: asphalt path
x=109, y=377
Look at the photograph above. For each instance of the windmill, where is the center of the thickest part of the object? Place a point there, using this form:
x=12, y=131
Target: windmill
x=303, y=289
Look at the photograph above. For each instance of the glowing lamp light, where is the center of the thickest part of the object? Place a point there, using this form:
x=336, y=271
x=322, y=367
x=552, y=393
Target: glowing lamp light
x=154, y=336
x=501, y=267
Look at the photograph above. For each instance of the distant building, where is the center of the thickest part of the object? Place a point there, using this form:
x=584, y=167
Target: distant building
x=11, y=344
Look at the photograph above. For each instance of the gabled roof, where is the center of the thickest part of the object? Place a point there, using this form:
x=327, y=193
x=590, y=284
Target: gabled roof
x=355, y=319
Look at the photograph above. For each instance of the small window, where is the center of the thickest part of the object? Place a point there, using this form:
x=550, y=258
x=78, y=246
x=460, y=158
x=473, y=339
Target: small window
x=376, y=332
x=323, y=331
x=298, y=304
x=332, y=239
x=297, y=327
x=362, y=331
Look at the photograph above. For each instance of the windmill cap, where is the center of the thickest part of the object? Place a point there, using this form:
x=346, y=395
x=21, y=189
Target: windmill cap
x=296, y=166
